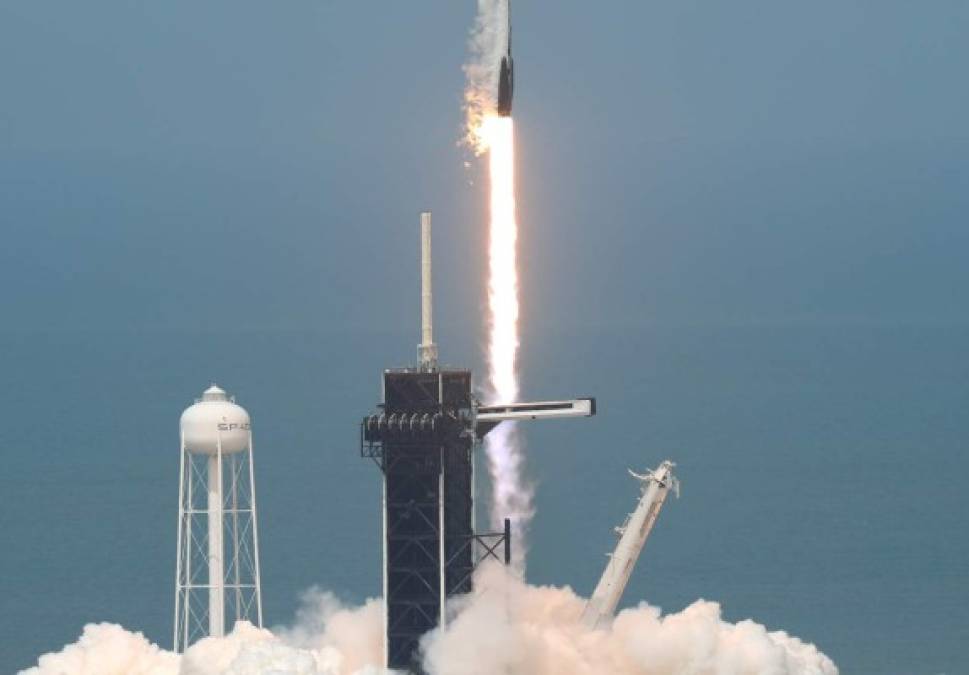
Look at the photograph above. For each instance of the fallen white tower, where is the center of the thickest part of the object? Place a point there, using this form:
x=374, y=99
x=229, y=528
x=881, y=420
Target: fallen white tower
x=656, y=485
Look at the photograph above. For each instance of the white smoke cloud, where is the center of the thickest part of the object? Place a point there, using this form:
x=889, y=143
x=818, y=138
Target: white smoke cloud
x=327, y=639
x=506, y=627
x=353, y=638
x=510, y=627
x=512, y=494
x=107, y=649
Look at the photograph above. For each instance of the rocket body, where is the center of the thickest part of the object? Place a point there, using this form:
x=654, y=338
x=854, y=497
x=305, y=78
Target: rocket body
x=506, y=85
x=506, y=73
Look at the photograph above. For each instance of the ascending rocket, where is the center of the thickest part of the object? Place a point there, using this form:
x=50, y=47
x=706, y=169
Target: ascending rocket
x=506, y=74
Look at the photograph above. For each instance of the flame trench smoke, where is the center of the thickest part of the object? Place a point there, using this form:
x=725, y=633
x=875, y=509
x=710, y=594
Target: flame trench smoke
x=509, y=628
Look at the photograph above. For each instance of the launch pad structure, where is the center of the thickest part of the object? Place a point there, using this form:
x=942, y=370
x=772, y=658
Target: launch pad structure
x=423, y=440
x=422, y=445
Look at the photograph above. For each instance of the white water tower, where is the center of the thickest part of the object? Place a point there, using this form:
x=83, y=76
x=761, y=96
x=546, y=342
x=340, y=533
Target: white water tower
x=217, y=572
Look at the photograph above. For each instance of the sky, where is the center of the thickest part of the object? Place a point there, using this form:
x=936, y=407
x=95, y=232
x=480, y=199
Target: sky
x=746, y=218
x=183, y=138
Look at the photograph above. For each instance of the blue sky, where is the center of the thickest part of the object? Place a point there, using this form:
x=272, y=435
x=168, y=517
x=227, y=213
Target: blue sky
x=757, y=159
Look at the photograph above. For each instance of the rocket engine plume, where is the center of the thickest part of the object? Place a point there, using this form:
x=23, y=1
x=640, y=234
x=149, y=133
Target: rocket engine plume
x=512, y=495
x=502, y=260
x=490, y=128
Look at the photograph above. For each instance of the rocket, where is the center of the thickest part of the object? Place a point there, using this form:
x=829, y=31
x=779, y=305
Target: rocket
x=506, y=73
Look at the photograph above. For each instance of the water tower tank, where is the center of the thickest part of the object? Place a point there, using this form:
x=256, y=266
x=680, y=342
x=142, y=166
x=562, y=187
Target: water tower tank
x=213, y=418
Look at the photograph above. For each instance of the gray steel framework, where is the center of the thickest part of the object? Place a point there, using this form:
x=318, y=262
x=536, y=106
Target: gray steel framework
x=229, y=480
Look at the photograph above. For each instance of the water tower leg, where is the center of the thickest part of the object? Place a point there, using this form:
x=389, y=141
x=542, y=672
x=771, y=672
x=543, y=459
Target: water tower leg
x=216, y=576
x=187, y=548
x=257, y=578
x=179, y=551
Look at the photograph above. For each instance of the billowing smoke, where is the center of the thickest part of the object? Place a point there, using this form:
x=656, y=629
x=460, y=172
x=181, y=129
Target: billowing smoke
x=506, y=627
x=510, y=627
x=107, y=649
x=327, y=639
x=512, y=494
x=322, y=622
x=488, y=39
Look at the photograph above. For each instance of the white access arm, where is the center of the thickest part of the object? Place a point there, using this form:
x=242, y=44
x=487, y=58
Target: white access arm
x=577, y=407
x=656, y=485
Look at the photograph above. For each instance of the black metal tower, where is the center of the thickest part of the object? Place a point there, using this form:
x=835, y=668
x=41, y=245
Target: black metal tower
x=423, y=443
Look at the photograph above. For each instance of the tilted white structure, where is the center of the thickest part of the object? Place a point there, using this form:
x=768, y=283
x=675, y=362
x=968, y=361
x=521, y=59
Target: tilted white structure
x=217, y=570
x=656, y=485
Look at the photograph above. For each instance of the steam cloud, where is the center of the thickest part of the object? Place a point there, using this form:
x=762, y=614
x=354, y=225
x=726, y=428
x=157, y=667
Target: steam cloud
x=511, y=627
x=328, y=639
x=512, y=493
x=506, y=627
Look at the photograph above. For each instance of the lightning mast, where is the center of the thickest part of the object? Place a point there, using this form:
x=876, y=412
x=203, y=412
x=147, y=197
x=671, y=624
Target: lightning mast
x=655, y=486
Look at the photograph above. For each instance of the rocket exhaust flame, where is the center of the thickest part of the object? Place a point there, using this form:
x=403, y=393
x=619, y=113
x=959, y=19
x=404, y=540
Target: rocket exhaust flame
x=502, y=261
x=512, y=496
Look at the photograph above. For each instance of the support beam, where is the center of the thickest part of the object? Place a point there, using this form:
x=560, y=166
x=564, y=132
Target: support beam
x=490, y=416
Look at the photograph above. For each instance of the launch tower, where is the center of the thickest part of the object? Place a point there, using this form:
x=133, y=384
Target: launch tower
x=423, y=440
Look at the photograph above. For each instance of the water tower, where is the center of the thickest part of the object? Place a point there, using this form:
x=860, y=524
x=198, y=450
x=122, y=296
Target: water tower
x=217, y=570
